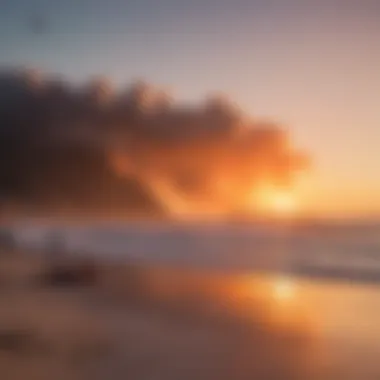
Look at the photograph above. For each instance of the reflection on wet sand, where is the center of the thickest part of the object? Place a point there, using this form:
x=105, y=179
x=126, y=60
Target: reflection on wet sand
x=125, y=321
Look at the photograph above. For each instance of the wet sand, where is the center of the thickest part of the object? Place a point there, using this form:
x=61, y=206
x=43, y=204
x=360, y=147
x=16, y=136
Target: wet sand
x=160, y=323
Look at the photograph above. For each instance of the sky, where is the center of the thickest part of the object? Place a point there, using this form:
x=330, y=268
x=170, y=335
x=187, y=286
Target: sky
x=310, y=65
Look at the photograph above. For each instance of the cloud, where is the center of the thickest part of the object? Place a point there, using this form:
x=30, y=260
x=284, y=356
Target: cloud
x=98, y=144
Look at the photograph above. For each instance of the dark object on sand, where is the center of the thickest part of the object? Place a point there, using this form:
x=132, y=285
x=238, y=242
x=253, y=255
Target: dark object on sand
x=78, y=273
x=7, y=240
x=16, y=340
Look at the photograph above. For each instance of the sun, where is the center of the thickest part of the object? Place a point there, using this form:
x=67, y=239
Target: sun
x=270, y=200
x=283, y=203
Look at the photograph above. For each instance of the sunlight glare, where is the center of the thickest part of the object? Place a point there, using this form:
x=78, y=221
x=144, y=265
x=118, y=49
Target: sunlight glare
x=284, y=289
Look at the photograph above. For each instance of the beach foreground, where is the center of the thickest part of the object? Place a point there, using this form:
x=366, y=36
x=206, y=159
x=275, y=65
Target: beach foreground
x=72, y=319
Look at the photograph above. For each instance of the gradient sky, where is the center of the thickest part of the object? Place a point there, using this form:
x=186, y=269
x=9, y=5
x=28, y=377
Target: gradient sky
x=312, y=65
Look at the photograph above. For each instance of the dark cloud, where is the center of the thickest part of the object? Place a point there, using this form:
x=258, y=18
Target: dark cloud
x=136, y=149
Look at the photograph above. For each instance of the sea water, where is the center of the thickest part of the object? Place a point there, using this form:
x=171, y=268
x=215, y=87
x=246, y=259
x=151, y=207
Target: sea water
x=349, y=250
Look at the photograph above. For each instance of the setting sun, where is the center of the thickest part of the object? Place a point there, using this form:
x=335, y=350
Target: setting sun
x=273, y=201
x=283, y=203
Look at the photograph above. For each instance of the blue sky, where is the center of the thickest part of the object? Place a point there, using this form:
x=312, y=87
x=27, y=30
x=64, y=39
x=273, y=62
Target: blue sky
x=312, y=65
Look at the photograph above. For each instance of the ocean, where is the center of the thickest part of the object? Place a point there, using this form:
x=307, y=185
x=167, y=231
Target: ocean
x=328, y=250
